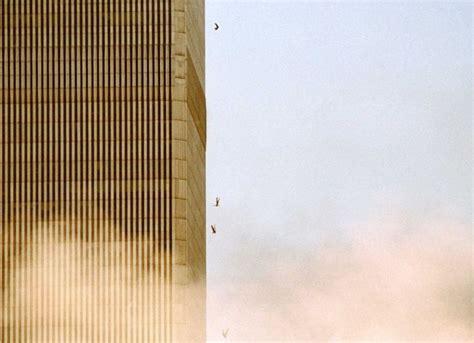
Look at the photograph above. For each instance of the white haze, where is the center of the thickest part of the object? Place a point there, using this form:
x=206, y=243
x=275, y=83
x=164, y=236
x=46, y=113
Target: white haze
x=387, y=280
x=340, y=144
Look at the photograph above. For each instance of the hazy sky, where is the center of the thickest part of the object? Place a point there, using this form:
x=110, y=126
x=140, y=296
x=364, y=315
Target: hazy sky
x=336, y=125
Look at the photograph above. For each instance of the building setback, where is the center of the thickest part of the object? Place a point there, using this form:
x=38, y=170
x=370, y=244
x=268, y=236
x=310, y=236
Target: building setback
x=102, y=170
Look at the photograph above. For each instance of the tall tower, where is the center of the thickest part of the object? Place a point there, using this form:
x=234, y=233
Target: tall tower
x=102, y=170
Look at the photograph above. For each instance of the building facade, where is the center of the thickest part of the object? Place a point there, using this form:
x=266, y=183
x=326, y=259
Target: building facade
x=102, y=170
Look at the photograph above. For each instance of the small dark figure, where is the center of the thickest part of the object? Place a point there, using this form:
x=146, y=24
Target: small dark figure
x=213, y=227
x=217, y=202
x=216, y=27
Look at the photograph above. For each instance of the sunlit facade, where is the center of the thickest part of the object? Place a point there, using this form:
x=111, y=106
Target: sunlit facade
x=102, y=170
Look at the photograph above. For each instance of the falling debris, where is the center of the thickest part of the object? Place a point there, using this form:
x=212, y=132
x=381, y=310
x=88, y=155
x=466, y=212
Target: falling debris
x=225, y=332
x=216, y=26
x=217, y=202
x=213, y=227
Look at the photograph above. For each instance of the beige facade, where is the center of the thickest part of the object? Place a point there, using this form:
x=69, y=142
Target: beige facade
x=102, y=170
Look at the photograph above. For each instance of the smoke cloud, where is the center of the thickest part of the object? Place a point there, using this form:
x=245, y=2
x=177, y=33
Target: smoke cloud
x=391, y=279
x=61, y=287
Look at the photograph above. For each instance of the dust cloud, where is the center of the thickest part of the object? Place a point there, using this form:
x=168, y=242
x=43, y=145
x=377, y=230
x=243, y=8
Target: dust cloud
x=61, y=287
x=391, y=279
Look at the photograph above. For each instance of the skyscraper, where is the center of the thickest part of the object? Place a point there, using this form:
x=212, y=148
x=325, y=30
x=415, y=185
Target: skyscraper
x=102, y=170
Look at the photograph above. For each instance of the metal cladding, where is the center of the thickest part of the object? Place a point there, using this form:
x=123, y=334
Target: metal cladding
x=102, y=150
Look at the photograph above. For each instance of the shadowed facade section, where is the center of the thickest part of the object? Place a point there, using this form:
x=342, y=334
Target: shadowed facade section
x=102, y=170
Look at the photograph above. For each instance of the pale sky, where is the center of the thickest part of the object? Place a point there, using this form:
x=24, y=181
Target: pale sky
x=326, y=122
